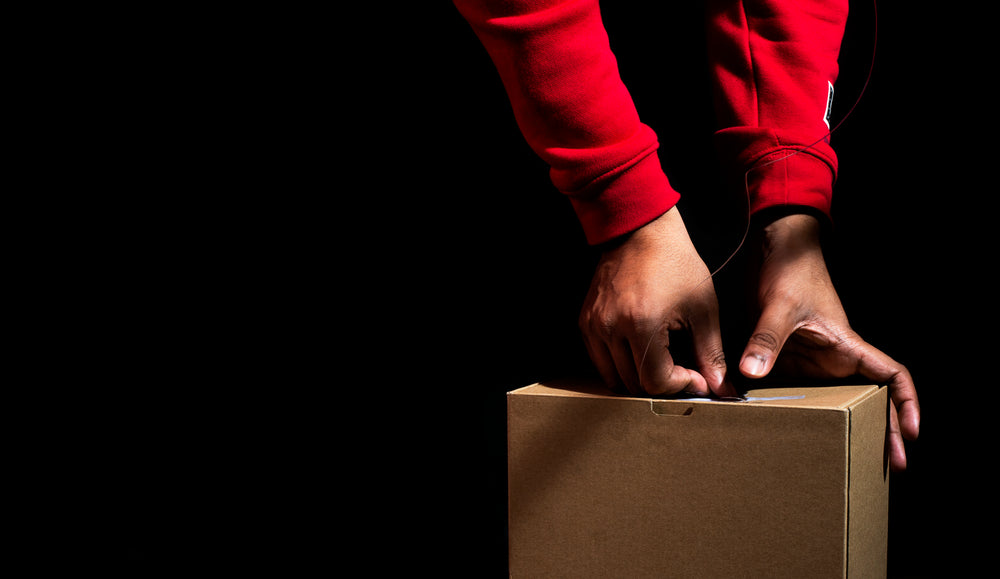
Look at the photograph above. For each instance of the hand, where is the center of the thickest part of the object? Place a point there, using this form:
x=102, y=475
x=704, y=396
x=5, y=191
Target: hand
x=650, y=285
x=801, y=317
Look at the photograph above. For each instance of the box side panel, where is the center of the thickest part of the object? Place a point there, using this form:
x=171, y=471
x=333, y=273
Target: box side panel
x=794, y=523
x=868, y=496
x=601, y=487
x=566, y=458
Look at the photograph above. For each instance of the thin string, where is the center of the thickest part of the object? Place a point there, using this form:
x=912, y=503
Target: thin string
x=796, y=151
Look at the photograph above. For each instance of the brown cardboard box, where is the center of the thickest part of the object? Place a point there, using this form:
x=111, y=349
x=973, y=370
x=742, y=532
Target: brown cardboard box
x=791, y=483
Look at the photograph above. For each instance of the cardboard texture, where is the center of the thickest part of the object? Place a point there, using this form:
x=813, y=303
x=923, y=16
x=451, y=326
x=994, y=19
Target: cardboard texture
x=610, y=486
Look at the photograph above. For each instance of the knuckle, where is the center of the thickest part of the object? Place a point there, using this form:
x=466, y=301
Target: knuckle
x=633, y=310
x=602, y=325
x=630, y=319
x=597, y=322
x=608, y=320
x=765, y=339
x=716, y=358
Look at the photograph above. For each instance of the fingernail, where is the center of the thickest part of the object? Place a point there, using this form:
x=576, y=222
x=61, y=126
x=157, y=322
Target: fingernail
x=753, y=365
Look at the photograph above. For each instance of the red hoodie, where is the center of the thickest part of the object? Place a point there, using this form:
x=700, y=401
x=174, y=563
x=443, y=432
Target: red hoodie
x=773, y=63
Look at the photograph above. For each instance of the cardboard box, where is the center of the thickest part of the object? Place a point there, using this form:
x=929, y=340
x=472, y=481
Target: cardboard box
x=792, y=482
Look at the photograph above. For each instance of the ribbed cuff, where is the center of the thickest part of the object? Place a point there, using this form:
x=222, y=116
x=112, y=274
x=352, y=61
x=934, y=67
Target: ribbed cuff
x=777, y=169
x=790, y=177
x=624, y=201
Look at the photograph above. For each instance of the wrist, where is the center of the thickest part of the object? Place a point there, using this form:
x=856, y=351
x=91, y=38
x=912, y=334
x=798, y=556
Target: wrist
x=794, y=232
x=764, y=217
x=652, y=234
x=797, y=225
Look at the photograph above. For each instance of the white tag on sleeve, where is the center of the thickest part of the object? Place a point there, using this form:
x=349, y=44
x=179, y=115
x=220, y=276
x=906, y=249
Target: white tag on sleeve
x=829, y=104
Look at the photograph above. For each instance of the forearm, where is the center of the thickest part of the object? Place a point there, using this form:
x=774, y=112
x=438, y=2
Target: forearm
x=562, y=79
x=774, y=63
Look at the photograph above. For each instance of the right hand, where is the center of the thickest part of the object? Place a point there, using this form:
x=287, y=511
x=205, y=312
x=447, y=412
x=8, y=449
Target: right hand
x=651, y=284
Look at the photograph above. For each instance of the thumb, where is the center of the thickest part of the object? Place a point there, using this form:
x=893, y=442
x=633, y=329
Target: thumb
x=762, y=349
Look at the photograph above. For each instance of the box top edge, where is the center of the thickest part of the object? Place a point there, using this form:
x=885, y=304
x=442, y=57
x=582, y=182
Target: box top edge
x=836, y=397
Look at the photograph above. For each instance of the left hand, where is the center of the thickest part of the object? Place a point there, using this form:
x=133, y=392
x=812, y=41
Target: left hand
x=802, y=318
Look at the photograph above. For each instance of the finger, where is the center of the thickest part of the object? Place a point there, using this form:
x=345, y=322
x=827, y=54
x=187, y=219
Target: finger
x=876, y=365
x=773, y=329
x=658, y=374
x=690, y=381
x=897, y=451
x=624, y=362
x=710, y=356
x=601, y=358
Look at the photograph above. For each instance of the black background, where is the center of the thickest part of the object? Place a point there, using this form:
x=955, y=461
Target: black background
x=311, y=252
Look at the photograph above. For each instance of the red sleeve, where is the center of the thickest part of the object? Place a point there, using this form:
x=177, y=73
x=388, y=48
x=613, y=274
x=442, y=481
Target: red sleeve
x=562, y=79
x=774, y=64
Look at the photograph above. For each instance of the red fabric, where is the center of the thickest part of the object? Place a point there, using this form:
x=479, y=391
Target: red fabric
x=562, y=79
x=773, y=62
x=556, y=64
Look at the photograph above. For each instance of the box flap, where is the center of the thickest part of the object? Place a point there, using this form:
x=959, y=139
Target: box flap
x=836, y=397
